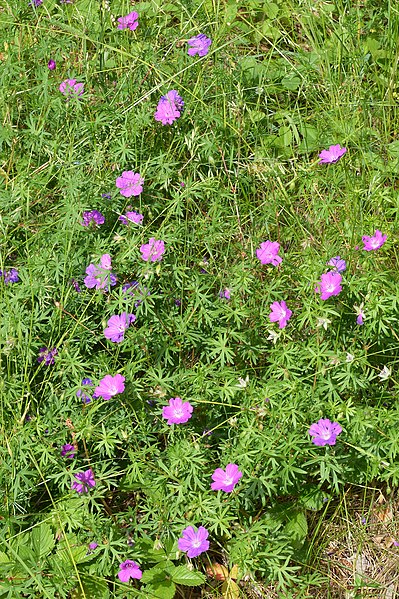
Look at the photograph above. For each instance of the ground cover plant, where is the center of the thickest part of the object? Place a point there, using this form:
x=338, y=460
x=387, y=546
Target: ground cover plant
x=198, y=288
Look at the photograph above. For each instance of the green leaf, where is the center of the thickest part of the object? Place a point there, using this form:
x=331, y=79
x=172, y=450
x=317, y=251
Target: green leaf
x=393, y=149
x=312, y=498
x=42, y=540
x=296, y=528
x=91, y=587
x=189, y=578
x=164, y=590
x=291, y=82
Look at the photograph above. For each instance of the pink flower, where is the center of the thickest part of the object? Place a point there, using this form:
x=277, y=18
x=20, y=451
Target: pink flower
x=110, y=386
x=225, y=480
x=199, y=44
x=332, y=155
x=325, y=432
x=169, y=108
x=99, y=276
x=192, y=542
x=86, y=480
x=329, y=285
x=130, y=184
x=117, y=325
x=374, y=242
x=178, y=411
x=129, y=22
x=105, y=262
x=153, y=250
x=268, y=253
x=280, y=313
x=128, y=570
x=131, y=217
x=70, y=88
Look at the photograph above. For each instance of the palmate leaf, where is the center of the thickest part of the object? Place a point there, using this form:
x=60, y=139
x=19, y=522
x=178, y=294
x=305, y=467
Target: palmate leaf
x=42, y=540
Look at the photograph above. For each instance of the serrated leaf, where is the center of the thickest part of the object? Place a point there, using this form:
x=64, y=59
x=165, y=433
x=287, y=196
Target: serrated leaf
x=4, y=559
x=312, y=498
x=189, y=578
x=297, y=528
x=164, y=590
x=42, y=540
x=91, y=587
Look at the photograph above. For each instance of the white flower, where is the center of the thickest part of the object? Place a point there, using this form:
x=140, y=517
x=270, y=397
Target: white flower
x=273, y=336
x=323, y=322
x=385, y=373
x=242, y=383
x=349, y=357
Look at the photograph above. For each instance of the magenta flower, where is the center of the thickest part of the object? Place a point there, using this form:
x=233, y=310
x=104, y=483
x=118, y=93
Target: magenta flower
x=131, y=217
x=100, y=276
x=36, y=3
x=169, y=108
x=128, y=570
x=92, y=216
x=178, y=411
x=84, y=480
x=71, y=89
x=93, y=546
x=325, y=432
x=129, y=22
x=47, y=355
x=374, y=242
x=268, y=253
x=225, y=480
x=51, y=64
x=117, y=325
x=199, y=44
x=130, y=184
x=68, y=451
x=329, y=285
x=280, y=313
x=110, y=386
x=332, y=155
x=338, y=263
x=359, y=318
x=153, y=250
x=225, y=293
x=10, y=276
x=193, y=543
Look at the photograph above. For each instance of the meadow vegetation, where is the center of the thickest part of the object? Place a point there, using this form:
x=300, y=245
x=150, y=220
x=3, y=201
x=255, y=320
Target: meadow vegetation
x=198, y=294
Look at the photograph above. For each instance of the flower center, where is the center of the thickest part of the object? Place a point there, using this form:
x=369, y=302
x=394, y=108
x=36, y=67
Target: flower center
x=196, y=543
x=228, y=481
x=178, y=412
x=325, y=434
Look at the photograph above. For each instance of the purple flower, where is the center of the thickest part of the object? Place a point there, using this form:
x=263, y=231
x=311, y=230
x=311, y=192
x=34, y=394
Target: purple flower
x=153, y=250
x=36, y=3
x=92, y=216
x=86, y=480
x=93, y=546
x=268, y=253
x=193, y=543
x=135, y=290
x=169, y=108
x=51, y=64
x=110, y=386
x=280, y=313
x=68, y=451
x=325, y=432
x=75, y=285
x=71, y=89
x=100, y=276
x=106, y=196
x=9, y=276
x=225, y=480
x=178, y=411
x=396, y=543
x=130, y=184
x=82, y=394
x=131, y=217
x=128, y=570
x=374, y=242
x=338, y=263
x=129, y=22
x=359, y=318
x=329, y=285
x=199, y=44
x=225, y=293
x=47, y=355
x=117, y=325
x=332, y=155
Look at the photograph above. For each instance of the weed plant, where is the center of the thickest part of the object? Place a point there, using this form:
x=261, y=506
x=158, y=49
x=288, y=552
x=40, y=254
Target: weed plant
x=239, y=166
